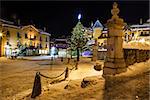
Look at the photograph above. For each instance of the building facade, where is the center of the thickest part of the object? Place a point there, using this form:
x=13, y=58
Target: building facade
x=25, y=40
x=136, y=32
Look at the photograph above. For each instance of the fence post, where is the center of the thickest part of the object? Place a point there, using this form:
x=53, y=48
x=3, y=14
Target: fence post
x=138, y=55
x=36, y=91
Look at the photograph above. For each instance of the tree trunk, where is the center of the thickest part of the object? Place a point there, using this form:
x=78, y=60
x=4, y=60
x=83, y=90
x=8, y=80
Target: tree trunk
x=78, y=54
x=71, y=54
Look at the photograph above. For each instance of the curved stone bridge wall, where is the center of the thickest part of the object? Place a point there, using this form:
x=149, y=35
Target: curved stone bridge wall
x=131, y=56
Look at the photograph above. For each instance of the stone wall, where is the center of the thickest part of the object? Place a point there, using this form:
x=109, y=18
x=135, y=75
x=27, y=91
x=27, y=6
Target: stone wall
x=131, y=56
x=101, y=55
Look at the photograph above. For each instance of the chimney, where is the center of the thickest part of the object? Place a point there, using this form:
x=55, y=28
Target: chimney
x=18, y=22
x=141, y=21
x=44, y=29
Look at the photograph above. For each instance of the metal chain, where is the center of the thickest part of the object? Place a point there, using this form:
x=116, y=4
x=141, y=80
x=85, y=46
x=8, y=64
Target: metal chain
x=56, y=76
x=53, y=77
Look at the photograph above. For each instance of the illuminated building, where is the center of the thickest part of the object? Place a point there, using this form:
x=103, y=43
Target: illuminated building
x=61, y=45
x=138, y=32
x=35, y=41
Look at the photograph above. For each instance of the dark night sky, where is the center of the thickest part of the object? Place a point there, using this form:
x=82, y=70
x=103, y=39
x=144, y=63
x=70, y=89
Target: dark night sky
x=60, y=17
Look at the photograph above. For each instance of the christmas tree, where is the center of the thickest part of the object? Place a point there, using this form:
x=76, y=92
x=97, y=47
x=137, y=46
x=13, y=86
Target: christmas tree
x=78, y=39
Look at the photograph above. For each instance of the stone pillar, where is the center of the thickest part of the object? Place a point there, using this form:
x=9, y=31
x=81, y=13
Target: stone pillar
x=0, y=46
x=95, y=51
x=114, y=63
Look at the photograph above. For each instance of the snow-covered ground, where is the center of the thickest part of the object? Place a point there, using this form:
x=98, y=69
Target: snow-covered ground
x=17, y=77
x=131, y=85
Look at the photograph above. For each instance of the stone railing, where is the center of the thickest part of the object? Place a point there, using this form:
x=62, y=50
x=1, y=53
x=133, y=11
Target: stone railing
x=131, y=56
x=101, y=55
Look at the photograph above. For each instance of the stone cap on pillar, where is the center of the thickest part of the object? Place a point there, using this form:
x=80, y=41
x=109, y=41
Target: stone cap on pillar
x=115, y=21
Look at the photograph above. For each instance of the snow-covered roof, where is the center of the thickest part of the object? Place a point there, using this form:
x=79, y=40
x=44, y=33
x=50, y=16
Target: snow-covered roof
x=5, y=21
x=146, y=25
x=60, y=39
x=28, y=26
x=98, y=24
x=43, y=32
x=8, y=25
x=148, y=21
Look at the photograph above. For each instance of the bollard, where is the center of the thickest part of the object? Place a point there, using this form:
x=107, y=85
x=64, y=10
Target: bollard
x=67, y=73
x=61, y=59
x=68, y=60
x=36, y=91
x=76, y=66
